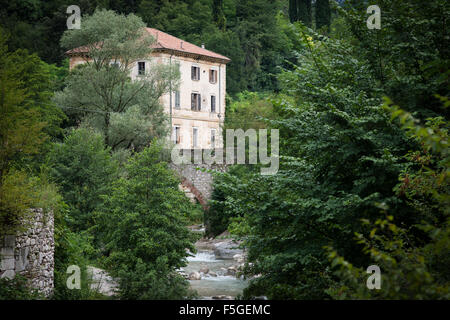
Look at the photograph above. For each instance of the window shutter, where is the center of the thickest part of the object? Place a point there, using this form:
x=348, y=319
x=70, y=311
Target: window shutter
x=192, y=73
x=192, y=101
x=213, y=103
x=199, y=102
x=177, y=99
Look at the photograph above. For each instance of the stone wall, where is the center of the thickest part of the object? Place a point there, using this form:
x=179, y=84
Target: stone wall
x=31, y=253
x=198, y=178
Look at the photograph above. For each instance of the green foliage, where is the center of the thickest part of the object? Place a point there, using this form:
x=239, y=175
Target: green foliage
x=218, y=14
x=248, y=111
x=323, y=13
x=409, y=56
x=36, y=25
x=27, y=119
x=410, y=270
x=252, y=37
x=71, y=249
x=17, y=196
x=143, y=228
x=300, y=10
x=340, y=156
x=84, y=170
x=218, y=217
x=17, y=289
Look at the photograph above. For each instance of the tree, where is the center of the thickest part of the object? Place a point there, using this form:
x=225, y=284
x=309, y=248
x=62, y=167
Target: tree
x=293, y=12
x=323, y=13
x=83, y=168
x=143, y=224
x=410, y=69
x=339, y=156
x=218, y=14
x=36, y=24
x=21, y=132
x=410, y=270
x=300, y=10
x=128, y=113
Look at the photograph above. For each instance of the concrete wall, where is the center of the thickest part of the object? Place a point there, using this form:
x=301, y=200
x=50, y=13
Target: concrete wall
x=31, y=253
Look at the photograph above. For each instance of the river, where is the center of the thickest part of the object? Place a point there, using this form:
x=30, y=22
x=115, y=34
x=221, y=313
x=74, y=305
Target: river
x=217, y=282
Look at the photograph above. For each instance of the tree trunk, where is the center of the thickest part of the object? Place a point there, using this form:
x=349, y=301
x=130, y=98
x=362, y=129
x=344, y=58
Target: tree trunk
x=304, y=11
x=107, y=118
x=293, y=16
x=300, y=10
x=218, y=15
x=323, y=13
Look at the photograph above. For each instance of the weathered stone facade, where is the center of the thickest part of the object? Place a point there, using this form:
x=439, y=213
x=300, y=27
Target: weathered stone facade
x=192, y=126
x=31, y=253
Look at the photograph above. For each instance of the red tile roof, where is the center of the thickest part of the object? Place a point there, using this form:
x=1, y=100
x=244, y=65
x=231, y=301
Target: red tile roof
x=166, y=41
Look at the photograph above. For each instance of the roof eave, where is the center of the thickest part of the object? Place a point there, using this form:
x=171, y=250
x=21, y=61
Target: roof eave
x=196, y=56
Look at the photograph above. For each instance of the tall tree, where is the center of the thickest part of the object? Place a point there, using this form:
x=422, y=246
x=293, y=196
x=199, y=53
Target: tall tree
x=304, y=12
x=84, y=170
x=100, y=92
x=323, y=13
x=293, y=12
x=21, y=134
x=144, y=229
x=300, y=10
x=218, y=14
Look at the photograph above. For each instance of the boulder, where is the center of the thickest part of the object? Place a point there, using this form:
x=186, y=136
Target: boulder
x=195, y=276
x=239, y=258
x=213, y=274
x=226, y=250
x=8, y=274
x=231, y=271
x=204, y=270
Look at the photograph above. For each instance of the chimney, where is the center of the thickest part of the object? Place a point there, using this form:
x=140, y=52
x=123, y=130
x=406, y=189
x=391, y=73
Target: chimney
x=181, y=44
x=203, y=46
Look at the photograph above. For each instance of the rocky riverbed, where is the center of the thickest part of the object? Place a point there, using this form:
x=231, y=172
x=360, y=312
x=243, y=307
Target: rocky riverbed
x=214, y=270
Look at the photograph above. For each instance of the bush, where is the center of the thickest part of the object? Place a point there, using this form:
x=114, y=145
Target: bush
x=144, y=229
x=17, y=289
x=83, y=168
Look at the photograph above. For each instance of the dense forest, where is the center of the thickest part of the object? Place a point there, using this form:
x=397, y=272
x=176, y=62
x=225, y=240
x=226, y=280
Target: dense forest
x=363, y=121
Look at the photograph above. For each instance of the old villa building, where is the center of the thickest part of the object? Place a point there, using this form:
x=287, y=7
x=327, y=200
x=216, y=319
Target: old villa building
x=197, y=108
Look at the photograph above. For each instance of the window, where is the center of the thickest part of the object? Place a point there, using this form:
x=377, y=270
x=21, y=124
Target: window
x=176, y=135
x=213, y=104
x=213, y=137
x=195, y=73
x=177, y=99
x=141, y=68
x=194, y=137
x=213, y=76
x=196, y=103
